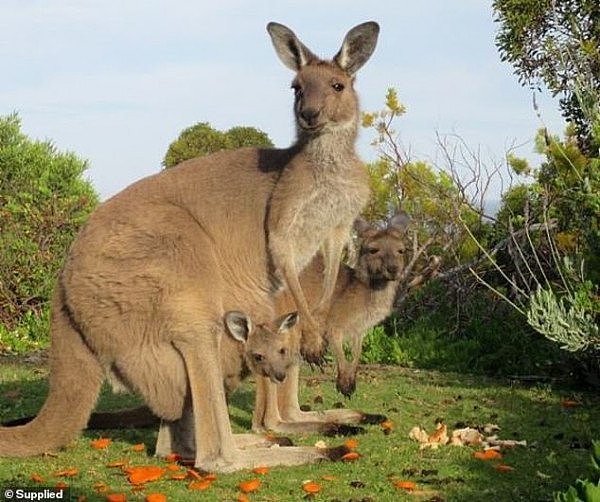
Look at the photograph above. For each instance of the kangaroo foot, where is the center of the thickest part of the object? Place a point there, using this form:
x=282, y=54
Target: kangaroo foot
x=248, y=440
x=271, y=457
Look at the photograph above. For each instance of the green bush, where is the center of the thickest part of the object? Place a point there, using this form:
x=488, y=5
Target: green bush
x=202, y=139
x=584, y=490
x=482, y=335
x=44, y=200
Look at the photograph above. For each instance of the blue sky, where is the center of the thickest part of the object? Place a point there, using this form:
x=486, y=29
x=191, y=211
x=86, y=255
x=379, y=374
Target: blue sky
x=117, y=81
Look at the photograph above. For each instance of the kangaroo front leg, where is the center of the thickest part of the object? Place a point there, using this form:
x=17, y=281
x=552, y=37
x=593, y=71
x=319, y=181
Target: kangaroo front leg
x=266, y=410
x=332, y=251
x=312, y=341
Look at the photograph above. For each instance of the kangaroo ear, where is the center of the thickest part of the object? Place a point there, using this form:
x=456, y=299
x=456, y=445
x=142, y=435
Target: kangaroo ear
x=288, y=321
x=239, y=325
x=357, y=47
x=362, y=226
x=399, y=222
x=293, y=53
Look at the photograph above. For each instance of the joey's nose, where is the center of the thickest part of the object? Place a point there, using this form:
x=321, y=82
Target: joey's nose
x=310, y=116
x=280, y=377
x=392, y=270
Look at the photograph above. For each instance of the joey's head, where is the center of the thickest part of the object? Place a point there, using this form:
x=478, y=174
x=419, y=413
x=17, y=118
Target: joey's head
x=381, y=255
x=324, y=96
x=267, y=347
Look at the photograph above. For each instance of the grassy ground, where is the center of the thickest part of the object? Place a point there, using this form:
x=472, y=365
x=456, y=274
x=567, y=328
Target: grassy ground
x=556, y=454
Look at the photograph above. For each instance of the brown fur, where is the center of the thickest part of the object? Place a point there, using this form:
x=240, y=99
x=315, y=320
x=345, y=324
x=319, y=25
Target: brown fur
x=263, y=349
x=146, y=283
x=363, y=297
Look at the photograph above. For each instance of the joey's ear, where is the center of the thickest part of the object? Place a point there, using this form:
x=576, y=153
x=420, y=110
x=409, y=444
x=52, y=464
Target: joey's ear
x=399, y=222
x=288, y=321
x=362, y=226
x=357, y=47
x=293, y=53
x=239, y=325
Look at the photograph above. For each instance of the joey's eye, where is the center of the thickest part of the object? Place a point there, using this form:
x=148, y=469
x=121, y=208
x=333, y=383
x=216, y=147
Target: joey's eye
x=283, y=351
x=338, y=87
x=400, y=251
x=372, y=250
x=296, y=87
x=258, y=358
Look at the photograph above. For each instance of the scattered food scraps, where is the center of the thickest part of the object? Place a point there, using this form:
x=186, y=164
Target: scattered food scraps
x=351, y=443
x=409, y=486
x=100, y=443
x=116, y=497
x=67, y=473
x=464, y=436
x=487, y=455
x=249, y=486
x=350, y=457
x=156, y=497
x=117, y=463
x=261, y=470
x=141, y=475
x=35, y=477
x=203, y=484
x=439, y=436
x=311, y=487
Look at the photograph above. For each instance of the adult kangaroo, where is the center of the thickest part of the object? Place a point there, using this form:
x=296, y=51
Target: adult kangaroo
x=146, y=283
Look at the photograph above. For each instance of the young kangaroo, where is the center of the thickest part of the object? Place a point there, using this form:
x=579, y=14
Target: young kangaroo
x=363, y=297
x=264, y=349
x=146, y=283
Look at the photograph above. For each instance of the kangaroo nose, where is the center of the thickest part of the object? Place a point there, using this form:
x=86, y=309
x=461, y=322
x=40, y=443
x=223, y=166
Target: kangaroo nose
x=280, y=377
x=392, y=270
x=310, y=115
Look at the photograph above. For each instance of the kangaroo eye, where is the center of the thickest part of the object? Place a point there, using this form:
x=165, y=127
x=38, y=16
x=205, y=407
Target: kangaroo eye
x=338, y=87
x=283, y=351
x=258, y=358
x=372, y=250
x=297, y=88
x=400, y=251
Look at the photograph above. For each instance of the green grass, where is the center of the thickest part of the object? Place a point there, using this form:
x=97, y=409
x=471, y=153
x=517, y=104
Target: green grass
x=557, y=454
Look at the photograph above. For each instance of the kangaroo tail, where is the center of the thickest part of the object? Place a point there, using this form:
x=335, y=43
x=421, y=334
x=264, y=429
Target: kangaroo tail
x=75, y=379
x=140, y=417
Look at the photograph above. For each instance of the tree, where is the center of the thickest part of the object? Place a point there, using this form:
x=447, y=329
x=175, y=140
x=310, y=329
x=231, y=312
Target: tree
x=202, y=139
x=44, y=200
x=556, y=43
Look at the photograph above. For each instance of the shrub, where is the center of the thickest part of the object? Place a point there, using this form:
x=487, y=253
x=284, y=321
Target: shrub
x=202, y=139
x=44, y=200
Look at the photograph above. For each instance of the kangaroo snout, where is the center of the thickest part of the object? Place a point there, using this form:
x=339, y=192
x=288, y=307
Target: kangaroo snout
x=278, y=376
x=309, y=118
x=392, y=271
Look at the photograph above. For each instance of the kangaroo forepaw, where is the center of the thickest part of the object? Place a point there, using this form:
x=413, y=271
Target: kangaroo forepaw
x=313, y=349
